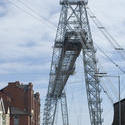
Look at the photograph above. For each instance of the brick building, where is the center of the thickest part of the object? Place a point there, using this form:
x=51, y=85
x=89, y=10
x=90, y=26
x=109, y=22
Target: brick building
x=24, y=104
x=116, y=113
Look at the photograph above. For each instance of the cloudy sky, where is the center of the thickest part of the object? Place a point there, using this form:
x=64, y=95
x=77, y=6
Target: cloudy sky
x=27, y=39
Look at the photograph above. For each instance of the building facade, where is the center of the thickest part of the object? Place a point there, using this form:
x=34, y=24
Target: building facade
x=24, y=105
x=116, y=113
x=2, y=112
x=4, y=115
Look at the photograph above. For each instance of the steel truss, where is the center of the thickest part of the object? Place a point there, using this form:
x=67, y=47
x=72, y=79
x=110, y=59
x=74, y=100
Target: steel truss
x=73, y=35
x=64, y=109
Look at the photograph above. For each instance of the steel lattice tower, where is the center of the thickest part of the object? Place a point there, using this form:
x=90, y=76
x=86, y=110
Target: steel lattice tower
x=73, y=36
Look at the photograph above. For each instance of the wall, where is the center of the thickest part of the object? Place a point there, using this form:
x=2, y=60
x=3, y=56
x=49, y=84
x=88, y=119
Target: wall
x=116, y=113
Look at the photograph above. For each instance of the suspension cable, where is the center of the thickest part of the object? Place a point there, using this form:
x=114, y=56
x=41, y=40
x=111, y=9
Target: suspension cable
x=34, y=11
x=36, y=17
x=110, y=81
x=105, y=33
x=110, y=59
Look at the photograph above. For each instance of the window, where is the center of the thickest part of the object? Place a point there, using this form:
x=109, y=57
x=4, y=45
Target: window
x=16, y=121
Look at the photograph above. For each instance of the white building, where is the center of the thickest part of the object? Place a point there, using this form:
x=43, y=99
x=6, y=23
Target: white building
x=4, y=115
x=2, y=112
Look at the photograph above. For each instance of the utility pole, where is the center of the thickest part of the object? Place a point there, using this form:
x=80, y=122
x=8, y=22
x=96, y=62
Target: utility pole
x=119, y=86
x=119, y=91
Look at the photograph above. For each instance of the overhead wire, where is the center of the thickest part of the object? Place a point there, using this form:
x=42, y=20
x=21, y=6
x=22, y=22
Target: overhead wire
x=92, y=15
x=28, y=13
x=34, y=11
x=113, y=39
x=106, y=34
x=115, y=92
x=110, y=59
x=36, y=17
x=107, y=93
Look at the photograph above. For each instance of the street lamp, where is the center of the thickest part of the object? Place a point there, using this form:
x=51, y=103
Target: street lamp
x=119, y=89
